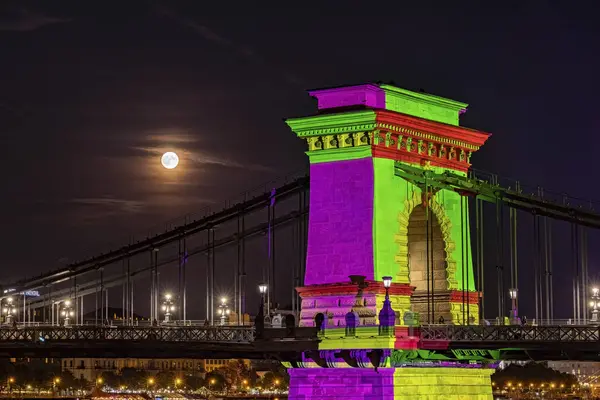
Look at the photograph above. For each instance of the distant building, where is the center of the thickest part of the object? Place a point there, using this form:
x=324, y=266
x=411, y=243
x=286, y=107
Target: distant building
x=585, y=371
x=91, y=369
x=215, y=364
x=115, y=314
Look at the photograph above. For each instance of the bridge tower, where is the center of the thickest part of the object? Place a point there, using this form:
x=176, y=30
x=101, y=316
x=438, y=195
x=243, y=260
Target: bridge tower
x=367, y=221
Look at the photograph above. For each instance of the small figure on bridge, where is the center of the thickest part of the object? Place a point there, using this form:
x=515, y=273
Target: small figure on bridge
x=524, y=320
x=441, y=320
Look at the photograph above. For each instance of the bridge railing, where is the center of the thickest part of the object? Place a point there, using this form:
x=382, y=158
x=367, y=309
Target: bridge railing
x=219, y=334
x=507, y=333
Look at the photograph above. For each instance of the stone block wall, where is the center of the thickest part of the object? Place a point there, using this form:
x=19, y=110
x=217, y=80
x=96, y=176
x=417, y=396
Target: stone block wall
x=341, y=384
x=418, y=249
x=428, y=383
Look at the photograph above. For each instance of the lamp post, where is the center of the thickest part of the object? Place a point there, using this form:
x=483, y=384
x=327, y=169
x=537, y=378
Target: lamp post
x=55, y=383
x=168, y=307
x=224, y=310
x=150, y=384
x=595, y=305
x=259, y=322
x=9, y=310
x=512, y=293
x=263, y=288
x=387, y=316
x=67, y=312
x=387, y=282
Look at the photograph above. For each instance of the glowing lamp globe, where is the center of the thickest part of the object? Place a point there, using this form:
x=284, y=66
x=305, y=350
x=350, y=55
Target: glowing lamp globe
x=387, y=281
x=169, y=160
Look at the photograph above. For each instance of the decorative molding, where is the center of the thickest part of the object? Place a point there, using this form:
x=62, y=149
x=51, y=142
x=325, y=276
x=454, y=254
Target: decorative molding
x=375, y=287
x=327, y=124
x=456, y=296
x=391, y=135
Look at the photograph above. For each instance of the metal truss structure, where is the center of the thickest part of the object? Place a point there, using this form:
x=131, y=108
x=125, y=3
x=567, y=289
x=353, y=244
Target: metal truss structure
x=221, y=334
x=514, y=335
x=153, y=342
x=171, y=235
x=487, y=187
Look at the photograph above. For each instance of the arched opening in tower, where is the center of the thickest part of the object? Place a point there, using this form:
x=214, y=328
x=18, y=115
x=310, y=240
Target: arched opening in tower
x=423, y=258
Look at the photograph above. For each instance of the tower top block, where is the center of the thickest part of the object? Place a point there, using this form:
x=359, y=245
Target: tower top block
x=384, y=121
x=388, y=97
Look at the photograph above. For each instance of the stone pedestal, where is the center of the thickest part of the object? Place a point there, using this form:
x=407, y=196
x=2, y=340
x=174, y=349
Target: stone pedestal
x=341, y=384
x=409, y=383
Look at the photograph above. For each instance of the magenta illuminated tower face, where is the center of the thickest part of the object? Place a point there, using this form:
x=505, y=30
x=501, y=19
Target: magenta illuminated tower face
x=367, y=221
x=340, y=222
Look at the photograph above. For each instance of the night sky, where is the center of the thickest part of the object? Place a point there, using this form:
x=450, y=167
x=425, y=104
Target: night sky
x=91, y=93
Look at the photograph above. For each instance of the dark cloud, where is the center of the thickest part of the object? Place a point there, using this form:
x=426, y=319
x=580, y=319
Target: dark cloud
x=24, y=20
x=243, y=50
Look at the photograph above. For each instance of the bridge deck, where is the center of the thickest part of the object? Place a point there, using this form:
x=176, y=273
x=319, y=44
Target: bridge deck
x=156, y=342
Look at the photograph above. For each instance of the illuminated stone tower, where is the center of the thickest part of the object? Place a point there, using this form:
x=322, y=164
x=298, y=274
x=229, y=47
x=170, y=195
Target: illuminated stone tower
x=367, y=220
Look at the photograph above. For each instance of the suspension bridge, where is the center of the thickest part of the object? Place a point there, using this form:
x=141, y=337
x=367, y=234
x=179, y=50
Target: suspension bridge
x=408, y=268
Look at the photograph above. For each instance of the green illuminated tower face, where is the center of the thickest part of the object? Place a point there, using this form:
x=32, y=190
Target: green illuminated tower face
x=367, y=220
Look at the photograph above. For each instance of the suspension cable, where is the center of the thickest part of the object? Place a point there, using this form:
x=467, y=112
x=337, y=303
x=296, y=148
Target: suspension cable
x=479, y=248
x=575, y=267
x=431, y=248
x=467, y=258
x=584, y=274
x=536, y=265
x=428, y=276
x=500, y=257
x=462, y=248
x=549, y=287
x=514, y=278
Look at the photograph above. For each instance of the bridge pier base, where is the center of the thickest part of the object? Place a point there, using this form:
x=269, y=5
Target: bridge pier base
x=408, y=383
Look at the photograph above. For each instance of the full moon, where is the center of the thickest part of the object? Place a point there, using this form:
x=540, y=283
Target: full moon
x=169, y=160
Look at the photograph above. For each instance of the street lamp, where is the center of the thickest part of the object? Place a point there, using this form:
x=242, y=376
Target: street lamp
x=67, y=312
x=150, y=382
x=9, y=310
x=168, y=307
x=55, y=383
x=262, y=288
x=259, y=321
x=387, y=316
x=387, y=282
x=595, y=305
x=224, y=310
x=512, y=293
